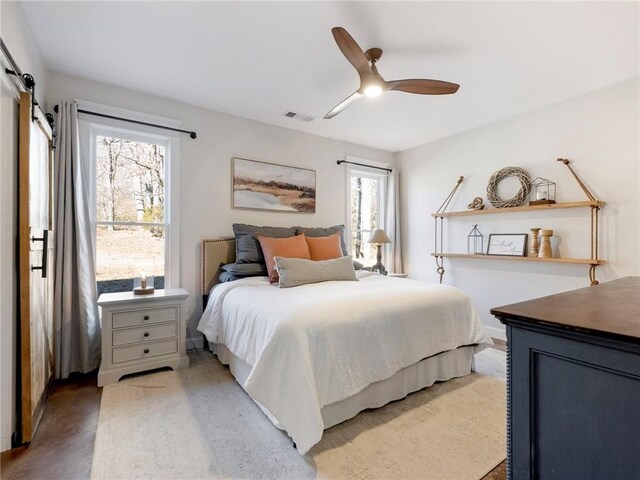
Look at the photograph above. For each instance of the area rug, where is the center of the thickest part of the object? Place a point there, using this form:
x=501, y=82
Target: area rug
x=198, y=423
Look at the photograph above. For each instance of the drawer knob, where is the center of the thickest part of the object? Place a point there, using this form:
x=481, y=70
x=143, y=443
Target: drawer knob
x=146, y=334
x=146, y=317
x=146, y=350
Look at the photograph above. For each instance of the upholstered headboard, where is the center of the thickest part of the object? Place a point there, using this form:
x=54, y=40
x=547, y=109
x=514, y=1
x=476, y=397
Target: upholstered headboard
x=216, y=252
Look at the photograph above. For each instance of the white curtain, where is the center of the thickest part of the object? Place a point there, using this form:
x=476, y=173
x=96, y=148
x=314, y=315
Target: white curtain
x=393, y=251
x=76, y=321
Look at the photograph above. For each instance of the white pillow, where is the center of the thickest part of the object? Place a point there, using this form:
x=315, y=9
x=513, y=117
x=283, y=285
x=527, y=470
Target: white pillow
x=296, y=271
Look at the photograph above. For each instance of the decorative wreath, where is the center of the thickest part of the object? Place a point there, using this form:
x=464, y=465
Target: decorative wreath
x=521, y=196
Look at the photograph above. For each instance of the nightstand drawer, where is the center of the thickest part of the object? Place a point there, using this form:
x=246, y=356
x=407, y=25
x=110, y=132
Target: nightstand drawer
x=145, y=317
x=144, y=334
x=124, y=354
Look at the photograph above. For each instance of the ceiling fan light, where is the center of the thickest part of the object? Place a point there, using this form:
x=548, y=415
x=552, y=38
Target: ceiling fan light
x=373, y=90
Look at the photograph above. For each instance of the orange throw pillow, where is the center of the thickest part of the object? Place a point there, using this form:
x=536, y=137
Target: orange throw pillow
x=291, y=247
x=325, y=248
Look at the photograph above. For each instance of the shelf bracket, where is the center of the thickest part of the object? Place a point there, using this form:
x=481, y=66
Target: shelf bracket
x=440, y=265
x=580, y=182
x=439, y=232
x=595, y=210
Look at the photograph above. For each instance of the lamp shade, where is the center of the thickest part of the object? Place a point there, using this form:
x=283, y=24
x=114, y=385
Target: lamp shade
x=378, y=237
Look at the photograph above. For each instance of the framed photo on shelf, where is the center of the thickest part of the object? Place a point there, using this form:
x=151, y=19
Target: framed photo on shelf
x=507, y=244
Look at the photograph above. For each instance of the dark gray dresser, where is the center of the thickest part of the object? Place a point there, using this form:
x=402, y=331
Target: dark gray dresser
x=573, y=384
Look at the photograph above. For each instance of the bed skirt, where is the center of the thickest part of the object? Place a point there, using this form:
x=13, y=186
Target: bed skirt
x=441, y=367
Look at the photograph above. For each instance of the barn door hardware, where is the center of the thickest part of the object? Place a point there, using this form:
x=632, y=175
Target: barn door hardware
x=45, y=245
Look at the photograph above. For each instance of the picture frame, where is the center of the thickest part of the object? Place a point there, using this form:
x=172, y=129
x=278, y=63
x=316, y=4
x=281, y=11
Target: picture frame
x=507, y=244
x=257, y=185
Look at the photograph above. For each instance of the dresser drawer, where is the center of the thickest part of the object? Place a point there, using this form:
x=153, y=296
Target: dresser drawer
x=144, y=334
x=137, y=352
x=134, y=318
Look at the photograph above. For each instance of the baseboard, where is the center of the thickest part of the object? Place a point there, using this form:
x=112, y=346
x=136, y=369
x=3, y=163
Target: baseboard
x=496, y=332
x=195, y=342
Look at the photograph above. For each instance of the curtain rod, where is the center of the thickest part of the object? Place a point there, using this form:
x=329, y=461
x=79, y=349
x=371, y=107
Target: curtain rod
x=363, y=165
x=137, y=122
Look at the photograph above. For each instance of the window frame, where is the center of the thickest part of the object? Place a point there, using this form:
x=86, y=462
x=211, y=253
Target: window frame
x=89, y=131
x=364, y=172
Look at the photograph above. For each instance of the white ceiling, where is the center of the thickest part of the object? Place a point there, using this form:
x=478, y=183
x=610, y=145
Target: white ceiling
x=260, y=59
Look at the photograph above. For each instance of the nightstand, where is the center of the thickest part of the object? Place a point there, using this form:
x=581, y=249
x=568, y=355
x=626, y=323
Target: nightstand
x=398, y=275
x=142, y=332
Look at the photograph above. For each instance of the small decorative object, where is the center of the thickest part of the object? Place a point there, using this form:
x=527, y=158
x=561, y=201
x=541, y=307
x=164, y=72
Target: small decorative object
x=378, y=238
x=545, y=247
x=143, y=283
x=519, y=198
x=535, y=245
x=475, y=241
x=543, y=192
x=507, y=244
x=477, y=204
x=268, y=186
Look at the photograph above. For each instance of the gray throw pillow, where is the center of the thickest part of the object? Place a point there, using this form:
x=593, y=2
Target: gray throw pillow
x=225, y=277
x=296, y=271
x=247, y=246
x=245, y=269
x=325, y=232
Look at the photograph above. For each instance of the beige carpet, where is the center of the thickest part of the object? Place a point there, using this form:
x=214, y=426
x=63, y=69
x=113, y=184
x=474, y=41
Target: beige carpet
x=198, y=423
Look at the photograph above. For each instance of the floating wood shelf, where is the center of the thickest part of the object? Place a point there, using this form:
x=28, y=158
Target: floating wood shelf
x=592, y=203
x=526, y=208
x=585, y=261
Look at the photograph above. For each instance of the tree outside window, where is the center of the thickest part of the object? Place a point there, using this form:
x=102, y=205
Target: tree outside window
x=130, y=211
x=365, y=214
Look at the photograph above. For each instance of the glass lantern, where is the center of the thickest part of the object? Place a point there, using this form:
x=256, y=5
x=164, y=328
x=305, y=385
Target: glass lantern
x=475, y=242
x=543, y=192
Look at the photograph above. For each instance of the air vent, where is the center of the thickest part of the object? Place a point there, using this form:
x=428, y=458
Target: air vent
x=298, y=116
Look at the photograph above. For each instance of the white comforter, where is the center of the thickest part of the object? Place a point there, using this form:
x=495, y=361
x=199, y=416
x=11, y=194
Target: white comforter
x=314, y=345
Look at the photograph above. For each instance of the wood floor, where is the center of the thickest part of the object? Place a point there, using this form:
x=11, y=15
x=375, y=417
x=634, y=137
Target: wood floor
x=63, y=446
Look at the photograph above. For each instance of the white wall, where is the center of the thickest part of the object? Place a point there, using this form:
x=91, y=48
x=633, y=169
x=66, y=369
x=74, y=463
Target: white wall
x=205, y=170
x=599, y=132
x=18, y=37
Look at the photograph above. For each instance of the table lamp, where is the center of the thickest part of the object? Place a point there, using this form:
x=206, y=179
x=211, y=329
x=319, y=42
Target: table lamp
x=379, y=238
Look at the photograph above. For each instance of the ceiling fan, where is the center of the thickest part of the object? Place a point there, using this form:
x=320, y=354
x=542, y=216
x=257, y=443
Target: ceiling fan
x=371, y=82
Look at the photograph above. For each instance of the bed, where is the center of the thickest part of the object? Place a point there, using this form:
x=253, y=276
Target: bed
x=314, y=356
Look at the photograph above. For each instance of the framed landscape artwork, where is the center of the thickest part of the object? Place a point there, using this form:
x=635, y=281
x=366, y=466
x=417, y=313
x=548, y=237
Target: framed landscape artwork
x=269, y=186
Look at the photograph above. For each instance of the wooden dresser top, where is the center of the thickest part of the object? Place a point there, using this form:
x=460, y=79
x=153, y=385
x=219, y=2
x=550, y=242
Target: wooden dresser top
x=608, y=309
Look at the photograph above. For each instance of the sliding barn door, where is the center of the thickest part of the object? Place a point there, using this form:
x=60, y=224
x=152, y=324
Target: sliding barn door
x=35, y=214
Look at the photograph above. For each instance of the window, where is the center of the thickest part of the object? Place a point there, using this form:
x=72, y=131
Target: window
x=366, y=211
x=132, y=206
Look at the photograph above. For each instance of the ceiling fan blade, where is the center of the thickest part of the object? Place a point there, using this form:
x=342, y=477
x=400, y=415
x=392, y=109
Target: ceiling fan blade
x=352, y=51
x=342, y=105
x=423, y=86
